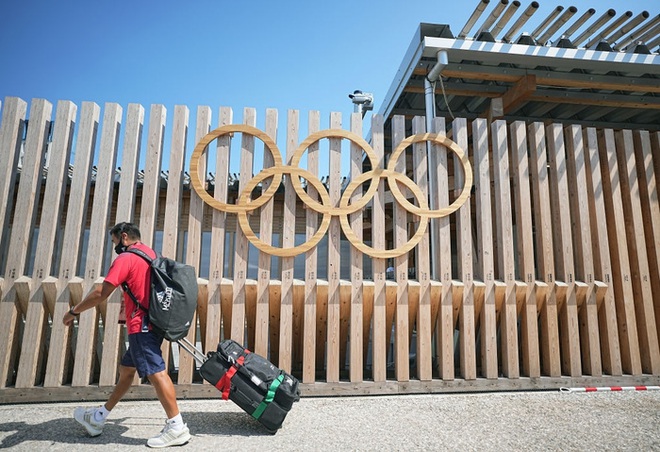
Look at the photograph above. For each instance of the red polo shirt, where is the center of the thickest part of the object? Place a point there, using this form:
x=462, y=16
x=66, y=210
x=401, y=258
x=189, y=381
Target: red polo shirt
x=134, y=271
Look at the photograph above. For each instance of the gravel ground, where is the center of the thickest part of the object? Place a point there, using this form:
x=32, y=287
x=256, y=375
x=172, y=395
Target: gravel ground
x=534, y=421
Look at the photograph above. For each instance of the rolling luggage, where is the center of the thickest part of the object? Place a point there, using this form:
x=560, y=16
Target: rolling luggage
x=262, y=390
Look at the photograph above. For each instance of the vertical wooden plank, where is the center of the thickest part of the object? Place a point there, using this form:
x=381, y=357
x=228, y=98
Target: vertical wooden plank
x=357, y=284
x=468, y=358
x=37, y=315
x=639, y=264
x=241, y=242
x=288, y=241
x=378, y=330
x=311, y=262
x=194, y=242
x=486, y=270
x=173, y=196
x=547, y=305
x=334, y=256
x=445, y=322
x=565, y=267
x=11, y=134
x=423, y=320
x=506, y=265
x=22, y=227
x=98, y=233
x=73, y=232
x=125, y=212
x=265, y=234
x=609, y=337
x=152, y=177
x=218, y=231
x=648, y=195
x=402, y=346
x=618, y=243
x=531, y=364
x=588, y=312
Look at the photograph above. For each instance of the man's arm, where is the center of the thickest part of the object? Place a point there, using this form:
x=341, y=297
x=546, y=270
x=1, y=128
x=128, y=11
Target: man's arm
x=95, y=297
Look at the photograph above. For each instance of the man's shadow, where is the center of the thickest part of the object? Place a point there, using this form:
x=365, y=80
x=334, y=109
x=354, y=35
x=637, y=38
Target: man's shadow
x=66, y=431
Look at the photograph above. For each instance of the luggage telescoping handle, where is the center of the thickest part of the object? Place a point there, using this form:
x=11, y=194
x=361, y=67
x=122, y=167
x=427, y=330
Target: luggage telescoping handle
x=196, y=353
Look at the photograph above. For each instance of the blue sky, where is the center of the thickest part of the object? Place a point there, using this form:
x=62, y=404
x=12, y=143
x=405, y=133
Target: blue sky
x=304, y=55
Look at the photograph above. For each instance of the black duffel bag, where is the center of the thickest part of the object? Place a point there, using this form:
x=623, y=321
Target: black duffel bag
x=261, y=389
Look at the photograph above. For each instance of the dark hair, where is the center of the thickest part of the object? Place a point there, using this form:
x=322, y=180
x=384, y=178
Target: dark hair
x=129, y=228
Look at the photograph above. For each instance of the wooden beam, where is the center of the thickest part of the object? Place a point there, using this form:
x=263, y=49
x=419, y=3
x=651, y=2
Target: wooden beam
x=519, y=93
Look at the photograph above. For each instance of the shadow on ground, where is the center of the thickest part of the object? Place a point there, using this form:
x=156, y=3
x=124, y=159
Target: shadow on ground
x=66, y=431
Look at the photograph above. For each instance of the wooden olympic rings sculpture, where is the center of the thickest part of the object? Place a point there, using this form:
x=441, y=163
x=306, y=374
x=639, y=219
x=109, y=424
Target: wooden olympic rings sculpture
x=246, y=204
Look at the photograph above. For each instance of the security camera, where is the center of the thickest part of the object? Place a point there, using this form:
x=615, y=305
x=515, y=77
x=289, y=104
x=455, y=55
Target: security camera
x=358, y=97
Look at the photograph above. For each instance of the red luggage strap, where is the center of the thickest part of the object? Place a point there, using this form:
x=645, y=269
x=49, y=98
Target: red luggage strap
x=224, y=384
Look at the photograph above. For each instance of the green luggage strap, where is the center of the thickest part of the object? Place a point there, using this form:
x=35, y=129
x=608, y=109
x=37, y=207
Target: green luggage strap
x=269, y=397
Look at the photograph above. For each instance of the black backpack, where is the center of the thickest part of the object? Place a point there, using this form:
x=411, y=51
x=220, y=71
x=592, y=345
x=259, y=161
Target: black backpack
x=173, y=298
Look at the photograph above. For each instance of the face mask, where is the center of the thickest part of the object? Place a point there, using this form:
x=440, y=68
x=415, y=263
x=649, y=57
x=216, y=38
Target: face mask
x=119, y=248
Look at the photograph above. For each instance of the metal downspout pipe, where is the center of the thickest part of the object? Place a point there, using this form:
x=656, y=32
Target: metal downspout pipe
x=429, y=102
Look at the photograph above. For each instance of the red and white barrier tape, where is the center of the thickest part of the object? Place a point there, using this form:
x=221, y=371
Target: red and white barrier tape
x=610, y=388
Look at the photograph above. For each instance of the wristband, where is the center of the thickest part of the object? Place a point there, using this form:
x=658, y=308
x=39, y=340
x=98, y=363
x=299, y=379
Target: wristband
x=73, y=313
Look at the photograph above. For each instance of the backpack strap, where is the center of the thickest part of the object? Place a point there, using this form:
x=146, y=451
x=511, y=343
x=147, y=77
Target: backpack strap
x=124, y=286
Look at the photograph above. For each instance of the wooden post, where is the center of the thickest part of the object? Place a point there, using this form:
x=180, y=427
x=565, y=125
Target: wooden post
x=266, y=235
x=508, y=320
x=311, y=263
x=357, y=285
x=609, y=337
x=445, y=323
x=334, y=257
x=487, y=318
x=194, y=244
x=288, y=241
x=423, y=320
x=531, y=364
x=547, y=305
x=240, y=240
x=402, y=346
x=579, y=204
x=174, y=189
x=218, y=232
x=464, y=252
x=379, y=333
x=618, y=244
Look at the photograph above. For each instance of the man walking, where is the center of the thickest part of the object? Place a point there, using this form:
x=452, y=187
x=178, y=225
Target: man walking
x=143, y=354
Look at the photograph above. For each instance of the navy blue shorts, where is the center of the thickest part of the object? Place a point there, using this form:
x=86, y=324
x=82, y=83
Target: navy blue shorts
x=144, y=354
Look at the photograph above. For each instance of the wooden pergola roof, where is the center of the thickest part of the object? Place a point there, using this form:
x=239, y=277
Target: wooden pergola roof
x=524, y=79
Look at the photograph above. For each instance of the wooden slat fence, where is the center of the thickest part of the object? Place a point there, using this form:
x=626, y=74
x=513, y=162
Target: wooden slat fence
x=548, y=276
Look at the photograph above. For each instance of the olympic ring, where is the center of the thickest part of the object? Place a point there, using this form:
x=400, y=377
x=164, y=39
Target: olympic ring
x=269, y=249
x=200, y=148
x=438, y=139
x=366, y=249
x=333, y=133
x=245, y=204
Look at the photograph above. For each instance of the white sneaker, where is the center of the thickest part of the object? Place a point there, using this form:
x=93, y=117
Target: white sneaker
x=85, y=416
x=170, y=437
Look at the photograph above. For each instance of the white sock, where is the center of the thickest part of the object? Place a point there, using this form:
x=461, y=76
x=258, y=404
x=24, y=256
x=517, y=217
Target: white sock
x=101, y=413
x=176, y=422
